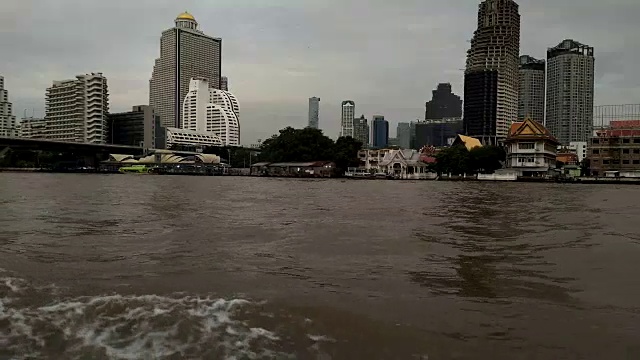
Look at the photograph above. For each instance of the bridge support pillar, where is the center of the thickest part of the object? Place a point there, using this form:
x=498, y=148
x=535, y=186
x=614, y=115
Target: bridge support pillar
x=91, y=161
x=3, y=151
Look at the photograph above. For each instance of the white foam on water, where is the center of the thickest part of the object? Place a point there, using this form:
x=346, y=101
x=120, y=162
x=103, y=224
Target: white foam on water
x=320, y=338
x=129, y=327
x=9, y=283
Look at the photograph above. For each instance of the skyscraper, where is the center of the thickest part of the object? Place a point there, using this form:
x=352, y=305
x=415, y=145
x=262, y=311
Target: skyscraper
x=531, y=93
x=380, y=132
x=77, y=110
x=314, y=112
x=491, y=75
x=7, y=119
x=346, y=122
x=361, y=130
x=570, y=87
x=209, y=110
x=185, y=53
x=403, y=134
x=444, y=104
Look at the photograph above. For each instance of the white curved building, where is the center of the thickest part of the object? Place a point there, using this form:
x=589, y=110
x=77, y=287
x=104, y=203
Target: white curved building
x=206, y=109
x=177, y=136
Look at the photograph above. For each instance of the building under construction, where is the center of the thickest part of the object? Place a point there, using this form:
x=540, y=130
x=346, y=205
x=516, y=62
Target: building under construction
x=603, y=115
x=615, y=148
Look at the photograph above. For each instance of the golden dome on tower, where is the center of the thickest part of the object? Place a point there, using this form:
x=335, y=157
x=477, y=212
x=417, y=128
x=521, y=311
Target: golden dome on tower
x=186, y=16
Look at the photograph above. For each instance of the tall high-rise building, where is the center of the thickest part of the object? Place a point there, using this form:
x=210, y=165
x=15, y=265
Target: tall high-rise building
x=7, y=119
x=77, y=110
x=346, y=120
x=491, y=74
x=403, y=134
x=570, y=87
x=224, y=83
x=210, y=110
x=444, y=104
x=361, y=130
x=314, y=112
x=531, y=91
x=437, y=132
x=380, y=132
x=185, y=53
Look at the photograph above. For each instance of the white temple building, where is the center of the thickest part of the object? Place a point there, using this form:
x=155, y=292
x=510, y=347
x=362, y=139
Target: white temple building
x=207, y=110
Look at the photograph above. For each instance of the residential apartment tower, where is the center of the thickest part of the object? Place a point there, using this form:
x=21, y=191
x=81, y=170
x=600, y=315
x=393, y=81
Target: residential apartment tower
x=76, y=110
x=7, y=119
x=570, y=88
x=531, y=90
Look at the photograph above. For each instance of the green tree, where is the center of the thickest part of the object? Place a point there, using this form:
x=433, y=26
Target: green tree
x=454, y=160
x=585, y=167
x=291, y=145
x=345, y=152
x=241, y=158
x=486, y=159
x=295, y=145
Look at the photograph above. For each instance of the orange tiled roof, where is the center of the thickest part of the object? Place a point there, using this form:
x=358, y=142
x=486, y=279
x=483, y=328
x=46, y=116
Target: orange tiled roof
x=536, y=129
x=514, y=127
x=567, y=158
x=469, y=142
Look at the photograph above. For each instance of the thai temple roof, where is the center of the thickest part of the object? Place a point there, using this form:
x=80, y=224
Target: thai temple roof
x=529, y=129
x=469, y=142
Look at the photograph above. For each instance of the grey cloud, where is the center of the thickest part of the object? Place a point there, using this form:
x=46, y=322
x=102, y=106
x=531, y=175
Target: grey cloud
x=385, y=55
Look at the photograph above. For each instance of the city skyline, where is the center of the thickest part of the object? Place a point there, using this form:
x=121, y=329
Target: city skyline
x=314, y=59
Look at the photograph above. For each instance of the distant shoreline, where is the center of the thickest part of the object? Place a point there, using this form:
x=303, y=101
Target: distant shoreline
x=580, y=180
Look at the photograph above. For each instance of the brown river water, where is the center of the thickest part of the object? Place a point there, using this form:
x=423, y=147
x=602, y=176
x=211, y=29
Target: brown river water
x=177, y=267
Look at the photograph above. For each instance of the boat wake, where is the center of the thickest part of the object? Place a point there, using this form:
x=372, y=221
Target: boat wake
x=126, y=327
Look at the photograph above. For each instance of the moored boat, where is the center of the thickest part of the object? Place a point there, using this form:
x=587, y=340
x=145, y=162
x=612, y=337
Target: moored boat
x=134, y=169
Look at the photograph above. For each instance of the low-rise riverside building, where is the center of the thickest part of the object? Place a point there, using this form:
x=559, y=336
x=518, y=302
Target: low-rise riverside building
x=531, y=149
x=616, y=149
x=399, y=163
x=167, y=162
x=575, y=147
x=295, y=169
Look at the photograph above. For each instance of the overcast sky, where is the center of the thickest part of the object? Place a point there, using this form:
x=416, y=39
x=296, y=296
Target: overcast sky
x=385, y=55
